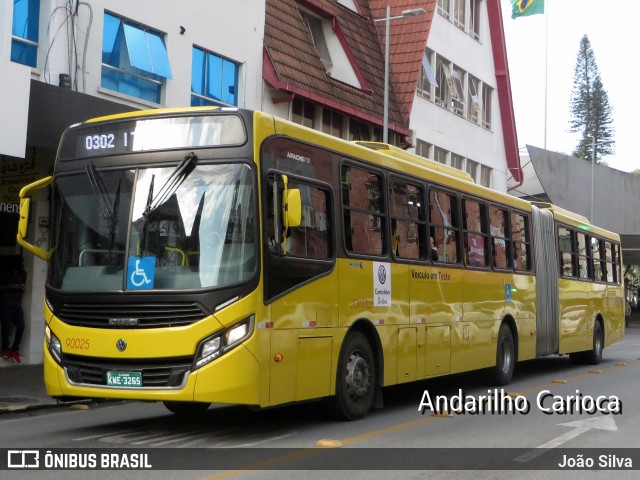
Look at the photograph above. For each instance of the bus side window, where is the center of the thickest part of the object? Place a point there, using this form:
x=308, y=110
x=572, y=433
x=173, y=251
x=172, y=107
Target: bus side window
x=598, y=261
x=444, y=226
x=565, y=242
x=475, y=236
x=500, y=243
x=407, y=220
x=521, y=241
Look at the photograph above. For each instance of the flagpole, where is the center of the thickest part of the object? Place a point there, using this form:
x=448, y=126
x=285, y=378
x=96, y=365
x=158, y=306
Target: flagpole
x=546, y=66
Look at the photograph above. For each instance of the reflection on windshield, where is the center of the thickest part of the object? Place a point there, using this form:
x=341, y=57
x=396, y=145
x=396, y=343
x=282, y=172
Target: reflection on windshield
x=200, y=236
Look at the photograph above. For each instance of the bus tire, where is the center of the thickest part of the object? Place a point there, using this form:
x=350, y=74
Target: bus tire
x=594, y=356
x=355, y=379
x=505, y=357
x=187, y=409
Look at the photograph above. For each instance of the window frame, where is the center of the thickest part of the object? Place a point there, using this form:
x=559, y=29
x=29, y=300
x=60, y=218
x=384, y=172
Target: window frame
x=455, y=221
x=206, y=76
x=468, y=233
x=526, y=242
x=347, y=208
x=420, y=221
x=26, y=46
x=146, y=85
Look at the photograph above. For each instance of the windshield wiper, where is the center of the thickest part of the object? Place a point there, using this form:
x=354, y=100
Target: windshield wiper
x=179, y=175
x=105, y=202
x=170, y=186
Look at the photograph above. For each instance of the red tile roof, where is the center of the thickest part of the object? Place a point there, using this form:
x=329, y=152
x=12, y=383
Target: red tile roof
x=292, y=63
x=407, y=42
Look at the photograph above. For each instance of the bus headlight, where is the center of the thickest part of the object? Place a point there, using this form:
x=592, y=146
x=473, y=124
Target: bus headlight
x=55, y=348
x=212, y=347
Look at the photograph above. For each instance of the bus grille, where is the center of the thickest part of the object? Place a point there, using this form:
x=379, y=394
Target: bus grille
x=146, y=315
x=156, y=373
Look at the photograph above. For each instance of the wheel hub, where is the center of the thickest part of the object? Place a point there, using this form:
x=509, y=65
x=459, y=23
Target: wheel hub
x=358, y=376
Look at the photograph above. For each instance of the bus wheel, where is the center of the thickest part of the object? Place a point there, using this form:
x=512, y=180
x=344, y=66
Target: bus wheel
x=356, y=378
x=505, y=357
x=185, y=409
x=594, y=356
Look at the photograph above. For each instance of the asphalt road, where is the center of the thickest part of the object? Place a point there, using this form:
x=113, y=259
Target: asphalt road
x=396, y=442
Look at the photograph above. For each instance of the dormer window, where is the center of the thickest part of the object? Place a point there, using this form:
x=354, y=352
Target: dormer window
x=332, y=48
x=314, y=24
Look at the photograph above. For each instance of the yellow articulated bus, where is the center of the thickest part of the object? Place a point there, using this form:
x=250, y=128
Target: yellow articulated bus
x=221, y=255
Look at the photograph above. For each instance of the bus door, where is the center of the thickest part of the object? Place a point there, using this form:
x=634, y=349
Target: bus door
x=300, y=287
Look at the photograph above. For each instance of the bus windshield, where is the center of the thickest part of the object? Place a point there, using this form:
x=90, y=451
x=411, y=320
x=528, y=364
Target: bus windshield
x=142, y=229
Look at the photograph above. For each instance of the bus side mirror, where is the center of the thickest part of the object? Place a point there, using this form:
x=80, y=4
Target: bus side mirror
x=292, y=208
x=23, y=222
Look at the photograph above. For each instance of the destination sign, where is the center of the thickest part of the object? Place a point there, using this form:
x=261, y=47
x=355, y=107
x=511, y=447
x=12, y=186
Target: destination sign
x=151, y=134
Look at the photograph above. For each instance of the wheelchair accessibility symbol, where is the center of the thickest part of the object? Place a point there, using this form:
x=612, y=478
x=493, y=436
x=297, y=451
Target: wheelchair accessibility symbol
x=140, y=273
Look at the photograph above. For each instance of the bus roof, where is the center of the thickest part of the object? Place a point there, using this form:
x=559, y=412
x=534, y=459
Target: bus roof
x=575, y=219
x=157, y=111
x=427, y=162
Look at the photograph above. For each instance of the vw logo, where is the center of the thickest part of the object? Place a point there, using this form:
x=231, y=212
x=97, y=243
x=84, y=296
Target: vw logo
x=121, y=345
x=382, y=274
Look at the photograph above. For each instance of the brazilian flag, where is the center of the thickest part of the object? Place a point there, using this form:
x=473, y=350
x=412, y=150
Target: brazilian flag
x=522, y=8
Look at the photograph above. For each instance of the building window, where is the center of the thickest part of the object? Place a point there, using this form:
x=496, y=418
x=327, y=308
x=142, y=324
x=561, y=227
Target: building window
x=459, y=13
x=445, y=89
x=475, y=101
x=472, y=168
x=458, y=97
x=485, y=176
x=314, y=24
x=214, y=80
x=440, y=155
x=134, y=59
x=359, y=131
x=25, y=31
x=423, y=148
x=427, y=78
x=332, y=123
x=487, y=91
x=303, y=112
x=457, y=161
x=474, y=19
x=444, y=8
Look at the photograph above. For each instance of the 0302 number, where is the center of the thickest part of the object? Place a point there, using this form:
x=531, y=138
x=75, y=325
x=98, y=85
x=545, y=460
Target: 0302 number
x=77, y=343
x=99, y=142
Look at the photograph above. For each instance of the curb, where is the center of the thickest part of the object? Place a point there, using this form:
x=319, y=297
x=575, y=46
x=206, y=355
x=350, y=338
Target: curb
x=24, y=407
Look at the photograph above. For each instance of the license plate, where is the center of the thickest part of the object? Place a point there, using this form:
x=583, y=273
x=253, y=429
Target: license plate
x=124, y=379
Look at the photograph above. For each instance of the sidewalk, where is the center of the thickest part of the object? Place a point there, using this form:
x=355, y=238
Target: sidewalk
x=22, y=388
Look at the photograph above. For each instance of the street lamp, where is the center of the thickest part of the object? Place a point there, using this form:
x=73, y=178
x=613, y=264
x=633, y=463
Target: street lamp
x=405, y=13
x=593, y=163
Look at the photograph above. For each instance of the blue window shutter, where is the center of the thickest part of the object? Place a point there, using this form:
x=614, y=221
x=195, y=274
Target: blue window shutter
x=158, y=55
x=229, y=82
x=428, y=71
x=109, y=39
x=26, y=18
x=197, y=72
x=214, y=77
x=137, y=48
x=147, y=51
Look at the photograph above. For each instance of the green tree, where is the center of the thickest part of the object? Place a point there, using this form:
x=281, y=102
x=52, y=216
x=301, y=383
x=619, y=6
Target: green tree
x=591, y=112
